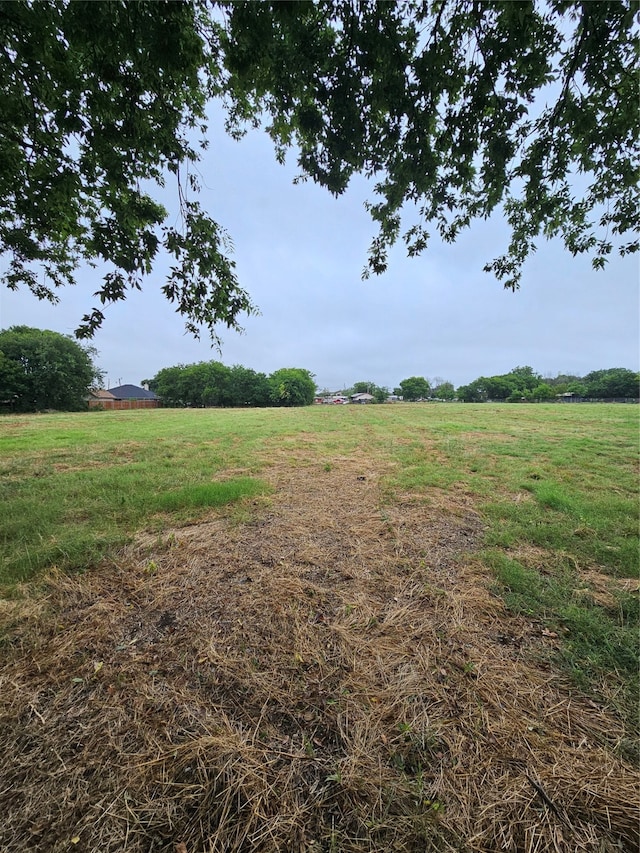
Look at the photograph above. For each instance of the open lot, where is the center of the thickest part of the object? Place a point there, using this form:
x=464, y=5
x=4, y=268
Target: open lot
x=354, y=628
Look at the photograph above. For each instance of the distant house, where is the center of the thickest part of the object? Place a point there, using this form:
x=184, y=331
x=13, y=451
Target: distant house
x=124, y=397
x=331, y=399
x=99, y=397
x=362, y=398
x=569, y=397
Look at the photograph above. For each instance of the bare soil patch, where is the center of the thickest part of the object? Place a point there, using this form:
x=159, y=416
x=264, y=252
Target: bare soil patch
x=333, y=675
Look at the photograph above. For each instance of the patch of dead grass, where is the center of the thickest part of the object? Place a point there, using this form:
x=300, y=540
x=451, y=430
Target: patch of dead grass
x=332, y=676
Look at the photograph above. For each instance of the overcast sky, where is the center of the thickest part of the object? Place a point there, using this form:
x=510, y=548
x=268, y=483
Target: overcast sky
x=300, y=253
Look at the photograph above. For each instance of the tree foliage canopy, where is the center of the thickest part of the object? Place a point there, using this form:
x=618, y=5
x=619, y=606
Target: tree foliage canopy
x=362, y=387
x=612, y=382
x=443, y=390
x=211, y=383
x=456, y=109
x=292, y=386
x=44, y=370
x=100, y=102
x=523, y=383
x=414, y=388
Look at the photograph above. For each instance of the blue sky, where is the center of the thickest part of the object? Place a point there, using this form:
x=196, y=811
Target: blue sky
x=300, y=253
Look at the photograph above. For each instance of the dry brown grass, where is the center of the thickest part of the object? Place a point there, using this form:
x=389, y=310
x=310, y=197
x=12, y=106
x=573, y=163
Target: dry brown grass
x=331, y=676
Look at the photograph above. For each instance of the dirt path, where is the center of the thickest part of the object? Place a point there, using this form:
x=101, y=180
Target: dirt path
x=331, y=675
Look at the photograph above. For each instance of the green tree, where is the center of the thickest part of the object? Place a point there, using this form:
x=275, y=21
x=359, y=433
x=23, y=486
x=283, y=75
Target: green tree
x=292, y=386
x=169, y=386
x=474, y=392
x=100, y=102
x=361, y=388
x=13, y=382
x=211, y=384
x=500, y=387
x=577, y=387
x=207, y=383
x=524, y=378
x=562, y=380
x=542, y=392
x=512, y=386
x=415, y=388
x=40, y=369
x=443, y=390
x=248, y=388
x=380, y=393
x=216, y=380
x=613, y=382
x=103, y=100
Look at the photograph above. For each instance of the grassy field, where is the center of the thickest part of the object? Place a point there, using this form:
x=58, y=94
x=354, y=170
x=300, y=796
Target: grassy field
x=461, y=506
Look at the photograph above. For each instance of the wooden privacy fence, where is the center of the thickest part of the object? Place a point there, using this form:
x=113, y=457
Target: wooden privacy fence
x=123, y=404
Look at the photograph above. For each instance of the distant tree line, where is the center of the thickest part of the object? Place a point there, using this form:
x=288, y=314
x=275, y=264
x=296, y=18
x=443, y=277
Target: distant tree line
x=419, y=388
x=41, y=369
x=211, y=383
x=214, y=384
x=523, y=384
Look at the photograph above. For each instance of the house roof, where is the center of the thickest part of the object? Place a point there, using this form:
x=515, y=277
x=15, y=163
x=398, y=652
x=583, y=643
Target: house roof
x=362, y=396
x=132, y=392
x=102, y=394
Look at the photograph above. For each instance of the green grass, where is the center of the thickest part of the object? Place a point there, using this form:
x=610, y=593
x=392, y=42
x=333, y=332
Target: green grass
x=208, y=494
x=561, y=481
x=74, y=486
